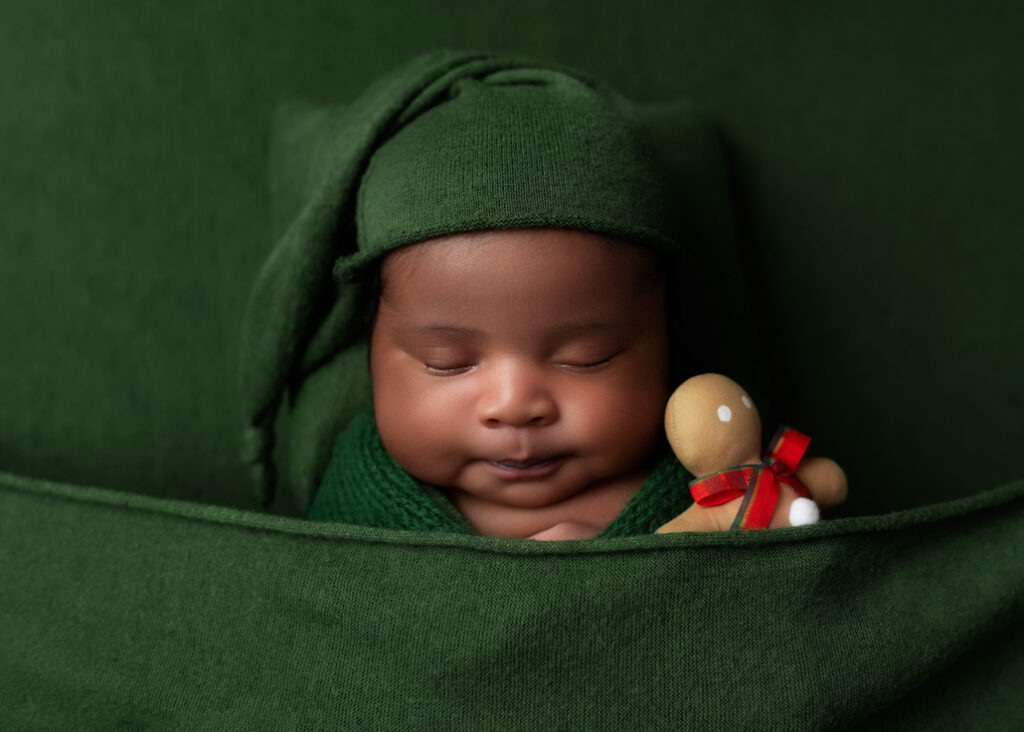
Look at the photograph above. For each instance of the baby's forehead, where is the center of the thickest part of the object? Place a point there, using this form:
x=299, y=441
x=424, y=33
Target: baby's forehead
x=523, y=282
x=544, y=245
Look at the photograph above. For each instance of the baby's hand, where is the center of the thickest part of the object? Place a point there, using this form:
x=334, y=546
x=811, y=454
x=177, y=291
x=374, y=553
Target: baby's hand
x=567, y=530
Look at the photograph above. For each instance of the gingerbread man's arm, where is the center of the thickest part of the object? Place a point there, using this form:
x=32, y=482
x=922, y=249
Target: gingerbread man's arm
x=825, y=480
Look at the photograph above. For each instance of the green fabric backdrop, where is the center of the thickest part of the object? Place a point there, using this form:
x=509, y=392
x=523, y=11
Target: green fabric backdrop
x=879, y=152
x=877, y=155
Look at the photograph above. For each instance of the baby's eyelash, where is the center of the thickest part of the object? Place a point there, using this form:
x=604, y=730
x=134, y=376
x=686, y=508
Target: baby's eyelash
x=583, y=367
x=447, y=370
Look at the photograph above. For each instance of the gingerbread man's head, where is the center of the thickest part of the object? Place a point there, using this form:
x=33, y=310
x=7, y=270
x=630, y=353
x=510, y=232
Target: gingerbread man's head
x=712, y=424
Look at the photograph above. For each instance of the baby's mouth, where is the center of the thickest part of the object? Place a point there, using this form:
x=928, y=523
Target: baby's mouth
x=531, y=468
x=522, y=464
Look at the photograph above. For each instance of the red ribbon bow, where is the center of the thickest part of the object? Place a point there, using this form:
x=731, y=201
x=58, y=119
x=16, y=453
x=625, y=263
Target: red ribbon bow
x=758, y=484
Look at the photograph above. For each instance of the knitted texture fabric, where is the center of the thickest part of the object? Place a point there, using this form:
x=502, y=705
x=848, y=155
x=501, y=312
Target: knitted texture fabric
x=364, y=486
x=516, y=147
x=449, y=142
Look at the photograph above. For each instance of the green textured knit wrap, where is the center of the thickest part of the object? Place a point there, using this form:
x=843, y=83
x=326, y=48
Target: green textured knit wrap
x=449, y=142
x=363, y=485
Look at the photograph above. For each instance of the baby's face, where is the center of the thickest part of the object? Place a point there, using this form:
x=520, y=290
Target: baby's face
x=520, y=366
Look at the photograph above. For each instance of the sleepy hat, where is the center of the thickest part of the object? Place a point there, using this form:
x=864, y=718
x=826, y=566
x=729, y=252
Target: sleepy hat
x=520, y=146
x=449, y=142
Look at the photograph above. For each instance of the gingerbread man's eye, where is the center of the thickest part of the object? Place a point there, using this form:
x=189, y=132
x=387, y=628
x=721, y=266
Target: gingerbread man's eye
x=724, y=413
x=746, y=402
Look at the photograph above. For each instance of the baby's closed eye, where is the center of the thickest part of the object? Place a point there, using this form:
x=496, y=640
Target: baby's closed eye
x=449, y=370
x=447, y=361
x=583, y=366
x=585, y=358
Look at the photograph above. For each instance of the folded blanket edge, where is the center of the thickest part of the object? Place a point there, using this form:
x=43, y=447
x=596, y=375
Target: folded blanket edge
x=1001, y=496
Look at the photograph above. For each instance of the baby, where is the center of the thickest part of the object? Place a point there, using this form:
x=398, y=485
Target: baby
x=525, y=371
x=507, y=242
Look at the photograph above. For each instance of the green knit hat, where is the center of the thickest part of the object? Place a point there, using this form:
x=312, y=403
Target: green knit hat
x=449, y=142
x=508, y=145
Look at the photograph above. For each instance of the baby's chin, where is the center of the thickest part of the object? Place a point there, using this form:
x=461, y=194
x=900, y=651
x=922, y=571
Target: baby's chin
x=528, y=494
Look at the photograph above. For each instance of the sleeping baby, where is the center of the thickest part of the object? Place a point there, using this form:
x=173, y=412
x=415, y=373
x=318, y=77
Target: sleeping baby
x=519, y=354
x=503, y=240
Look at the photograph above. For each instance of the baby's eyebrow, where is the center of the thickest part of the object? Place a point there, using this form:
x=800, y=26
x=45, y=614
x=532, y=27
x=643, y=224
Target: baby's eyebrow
x=555, y=329
x=443, y=329
x=566, y=329
x=576, y=326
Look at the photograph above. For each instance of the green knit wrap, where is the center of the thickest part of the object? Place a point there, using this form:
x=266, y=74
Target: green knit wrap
x=449, y=142
x=363, y=485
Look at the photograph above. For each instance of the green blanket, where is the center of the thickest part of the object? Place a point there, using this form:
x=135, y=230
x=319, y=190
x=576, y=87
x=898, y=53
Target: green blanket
x=128, y=612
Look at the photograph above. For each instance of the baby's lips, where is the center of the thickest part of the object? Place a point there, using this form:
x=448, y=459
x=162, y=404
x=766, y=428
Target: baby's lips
x=530, y=462
x=525, y=470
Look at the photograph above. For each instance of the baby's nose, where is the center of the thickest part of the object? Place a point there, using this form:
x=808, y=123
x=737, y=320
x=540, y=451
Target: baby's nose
x=517, y=395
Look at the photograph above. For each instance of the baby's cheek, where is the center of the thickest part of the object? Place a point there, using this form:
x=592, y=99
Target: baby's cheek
x=411, y=441
x=405, y=417
x=623, y=418
x=422, y=428
x=397, y=413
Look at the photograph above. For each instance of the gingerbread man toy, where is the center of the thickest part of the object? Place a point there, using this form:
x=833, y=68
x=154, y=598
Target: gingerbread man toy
x=715, y=431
